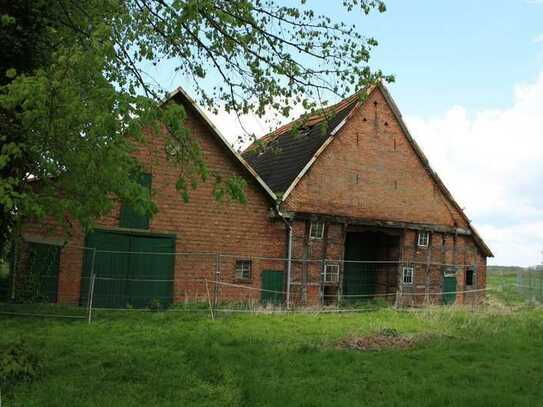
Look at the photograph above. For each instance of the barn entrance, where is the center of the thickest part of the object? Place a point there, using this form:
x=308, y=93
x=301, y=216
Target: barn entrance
x=370, y=266
x=132, y=270
x=42, y=273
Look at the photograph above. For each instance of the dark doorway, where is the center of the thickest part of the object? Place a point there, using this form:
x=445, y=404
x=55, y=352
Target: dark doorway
x=378, y=275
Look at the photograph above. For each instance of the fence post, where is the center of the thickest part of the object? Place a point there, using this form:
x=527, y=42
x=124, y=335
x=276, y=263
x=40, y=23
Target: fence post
x=217, y=279
x=289, y=264
x=340, y=282
x=91, y=286
x=321, y=282
x=209, y=301
x=13, y=274
x=428, y=271
x=540, y=277
x=399, y=290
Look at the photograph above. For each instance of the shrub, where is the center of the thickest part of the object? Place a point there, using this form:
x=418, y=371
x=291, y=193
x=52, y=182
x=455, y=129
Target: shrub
x=17, y=364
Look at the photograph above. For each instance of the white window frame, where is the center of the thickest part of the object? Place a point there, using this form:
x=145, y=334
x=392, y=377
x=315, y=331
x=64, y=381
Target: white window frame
x=423, y=239
x=449, y=272
x=407, y=270
x=312, y=227
x=241, y=269
x=331, y=273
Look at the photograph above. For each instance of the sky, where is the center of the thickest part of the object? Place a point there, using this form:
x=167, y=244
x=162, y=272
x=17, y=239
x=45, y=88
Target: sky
x=469, y=84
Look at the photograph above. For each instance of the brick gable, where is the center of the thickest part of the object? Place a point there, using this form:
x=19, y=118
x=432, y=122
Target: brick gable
x=371, y=171
x=201, y=226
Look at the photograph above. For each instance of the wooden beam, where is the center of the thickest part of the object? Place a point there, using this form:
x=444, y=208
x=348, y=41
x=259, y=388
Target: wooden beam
x=380, y=223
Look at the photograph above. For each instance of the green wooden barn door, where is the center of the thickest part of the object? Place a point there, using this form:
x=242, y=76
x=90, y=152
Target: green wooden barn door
x=273, y=282
x=43, y=267
x=151, y=274
x=128, y=273
x=111, y=268
x=449, y=289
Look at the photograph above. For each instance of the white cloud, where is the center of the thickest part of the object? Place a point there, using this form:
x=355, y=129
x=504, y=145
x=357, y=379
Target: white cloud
x=492, y=161
x=538, y=38
x=238, y=131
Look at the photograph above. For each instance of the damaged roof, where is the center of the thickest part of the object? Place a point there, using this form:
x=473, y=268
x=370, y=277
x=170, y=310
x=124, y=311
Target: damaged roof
x=280, y=156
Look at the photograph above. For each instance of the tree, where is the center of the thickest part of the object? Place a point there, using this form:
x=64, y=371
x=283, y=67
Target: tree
x=75, y=98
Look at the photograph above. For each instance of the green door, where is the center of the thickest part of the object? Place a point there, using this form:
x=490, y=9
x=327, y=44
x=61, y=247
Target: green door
x=360, y=269
x=111, y=265
x=151, y=274
x=449, y=289
x=41, y=280
x=128, y=272
x=272, y=287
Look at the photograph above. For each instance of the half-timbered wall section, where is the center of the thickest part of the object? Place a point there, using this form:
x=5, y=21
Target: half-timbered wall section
x=357, y=170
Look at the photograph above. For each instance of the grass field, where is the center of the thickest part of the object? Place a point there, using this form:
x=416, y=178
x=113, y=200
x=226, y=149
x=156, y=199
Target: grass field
x=178, y=359
x=455, y=358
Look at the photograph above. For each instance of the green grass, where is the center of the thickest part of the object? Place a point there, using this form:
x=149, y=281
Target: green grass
x=503, y=288
x=185, y=359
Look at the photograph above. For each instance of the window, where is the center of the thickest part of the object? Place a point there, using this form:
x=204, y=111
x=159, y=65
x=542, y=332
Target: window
x=331, y=273
x=407, y=275
x=424, y=238
x=449, y=271
x=130, y=218
x=316, y=230
x=470, y=273
x=243, y=269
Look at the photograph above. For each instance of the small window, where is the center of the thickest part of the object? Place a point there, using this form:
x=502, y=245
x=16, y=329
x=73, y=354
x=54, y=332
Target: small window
x=331, y=273
x=316, y=230
x=424, y=238
x=449, y=271
x=243, y=269
x=407, y=276
x=470, y=273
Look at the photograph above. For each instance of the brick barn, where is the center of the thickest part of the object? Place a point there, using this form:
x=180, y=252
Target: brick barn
x=342, y=206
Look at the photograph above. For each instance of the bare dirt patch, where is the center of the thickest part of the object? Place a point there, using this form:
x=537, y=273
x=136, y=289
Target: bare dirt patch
x=383, y=340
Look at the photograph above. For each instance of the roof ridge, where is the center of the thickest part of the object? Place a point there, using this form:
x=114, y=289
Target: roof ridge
x=179, y=91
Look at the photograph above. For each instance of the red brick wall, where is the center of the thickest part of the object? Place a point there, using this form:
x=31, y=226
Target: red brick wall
x=201, y=225
x=370, y=171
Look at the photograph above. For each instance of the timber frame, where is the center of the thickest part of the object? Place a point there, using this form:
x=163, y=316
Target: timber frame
x=379, y=223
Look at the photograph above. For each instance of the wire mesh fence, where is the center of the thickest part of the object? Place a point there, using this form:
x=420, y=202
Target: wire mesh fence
x=530, y=283
x=75, y=282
